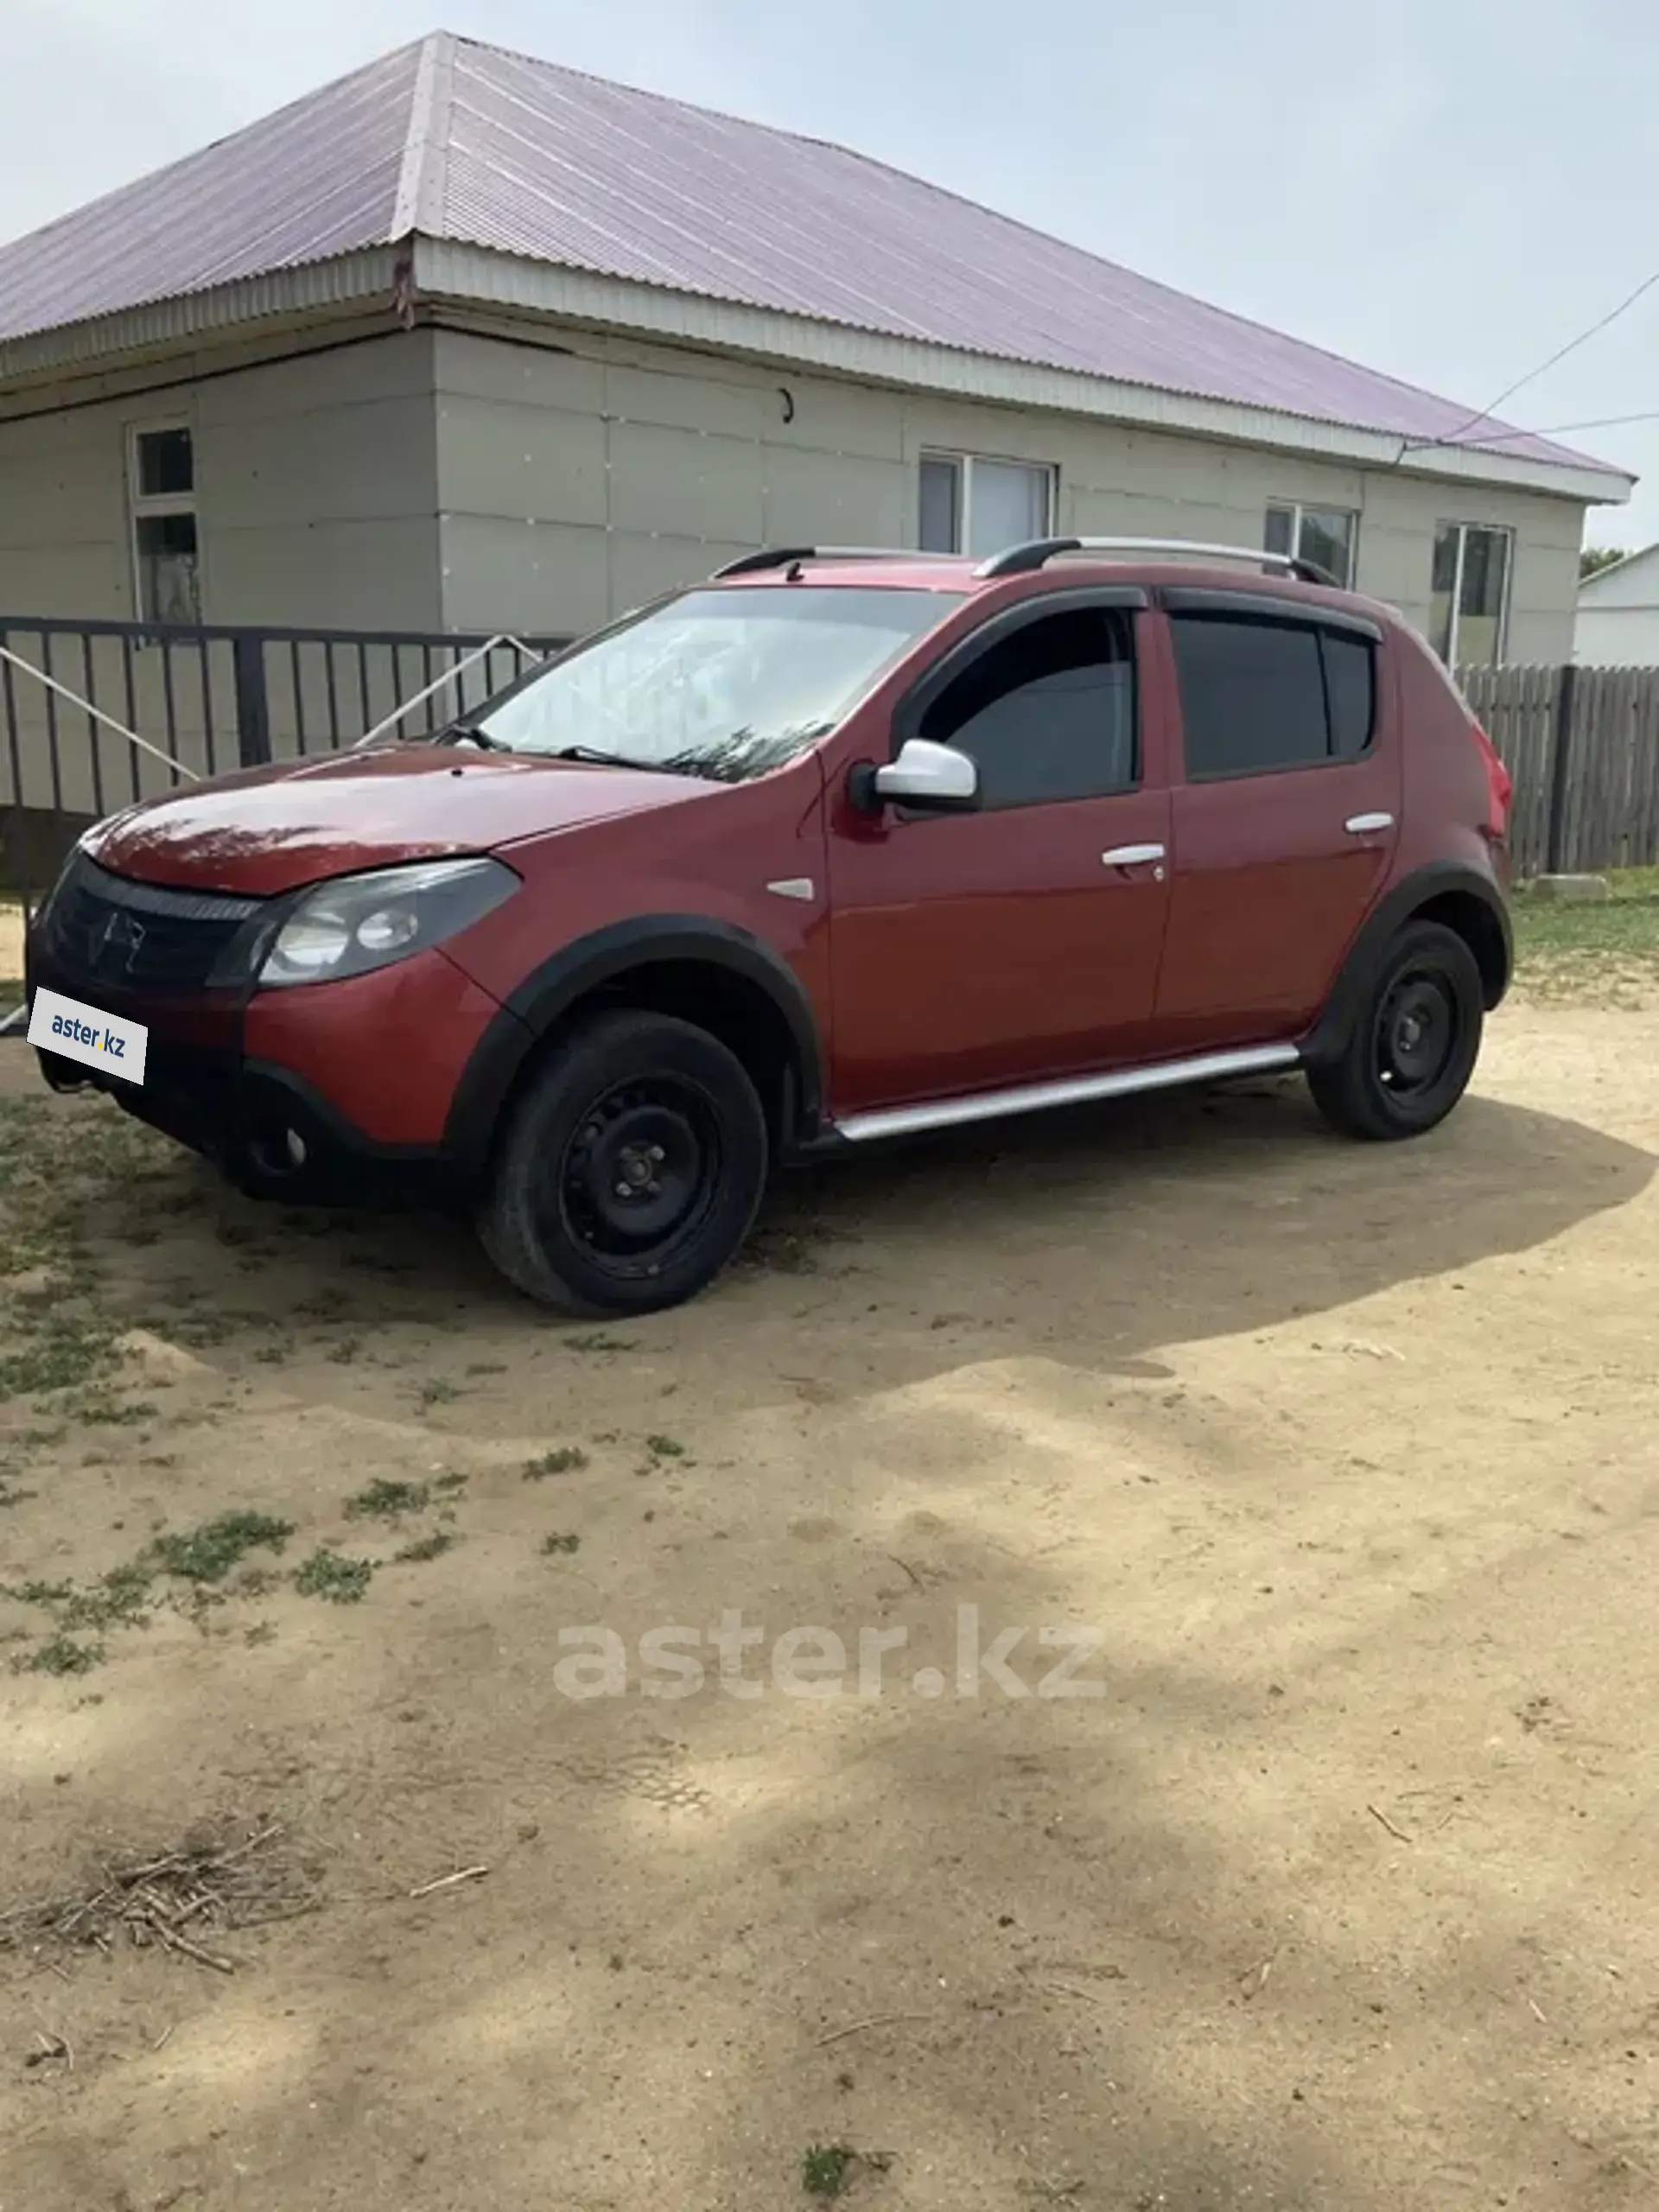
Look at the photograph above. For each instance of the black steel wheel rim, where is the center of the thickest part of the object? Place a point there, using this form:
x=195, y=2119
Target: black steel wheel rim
x=640, y=1173
x=1418, y=1026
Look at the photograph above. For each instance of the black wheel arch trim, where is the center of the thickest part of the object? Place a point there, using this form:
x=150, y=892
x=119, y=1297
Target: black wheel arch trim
x=1331, y=1034
x=589, y=963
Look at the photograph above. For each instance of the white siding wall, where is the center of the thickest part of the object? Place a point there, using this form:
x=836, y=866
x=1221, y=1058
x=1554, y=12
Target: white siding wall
x=573, y=484
x=316, y=493
x=1618, y=637
x=316, y=500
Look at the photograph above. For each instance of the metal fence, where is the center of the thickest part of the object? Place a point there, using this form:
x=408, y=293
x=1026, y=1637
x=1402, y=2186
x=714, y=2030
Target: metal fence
x=204, y=700
x=1582, y=745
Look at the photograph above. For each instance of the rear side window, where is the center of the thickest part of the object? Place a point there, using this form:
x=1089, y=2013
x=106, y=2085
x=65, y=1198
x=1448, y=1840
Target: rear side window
x=1047, y=712
x=1349, y=691
x=1259, y=695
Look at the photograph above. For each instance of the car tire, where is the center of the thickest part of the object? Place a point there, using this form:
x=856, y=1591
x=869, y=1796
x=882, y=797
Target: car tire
x=630, y=1169
x=1413, y=1043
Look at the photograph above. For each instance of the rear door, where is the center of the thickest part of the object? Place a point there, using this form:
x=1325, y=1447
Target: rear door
x=990, y=949
x=1285, y=810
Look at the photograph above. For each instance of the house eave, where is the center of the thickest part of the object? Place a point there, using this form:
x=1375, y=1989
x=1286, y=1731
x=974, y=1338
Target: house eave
x=444, y=270
x=187, y=319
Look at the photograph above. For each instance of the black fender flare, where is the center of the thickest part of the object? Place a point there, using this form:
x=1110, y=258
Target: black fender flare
x=1329, y=1037
x=589, y=962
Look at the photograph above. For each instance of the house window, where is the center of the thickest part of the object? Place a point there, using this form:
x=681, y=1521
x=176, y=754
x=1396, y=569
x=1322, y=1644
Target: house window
x=1323, y=534
x=1469, y=594
x=161, y=491
x=971, y=506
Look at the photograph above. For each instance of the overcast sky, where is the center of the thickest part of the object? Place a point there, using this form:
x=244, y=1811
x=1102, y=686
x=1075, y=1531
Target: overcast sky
x=1445, y=189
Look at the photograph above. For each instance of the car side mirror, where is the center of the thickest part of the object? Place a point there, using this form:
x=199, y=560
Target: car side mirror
x=927, y=778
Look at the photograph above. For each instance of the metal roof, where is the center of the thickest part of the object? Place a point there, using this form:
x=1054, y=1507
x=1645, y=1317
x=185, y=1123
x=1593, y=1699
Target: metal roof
x=453, y=140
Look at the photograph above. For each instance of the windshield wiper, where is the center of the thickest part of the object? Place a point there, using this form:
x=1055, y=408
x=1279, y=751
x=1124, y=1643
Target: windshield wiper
x=595, y=757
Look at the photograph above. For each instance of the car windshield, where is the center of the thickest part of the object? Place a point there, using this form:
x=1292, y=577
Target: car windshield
x=724, y=684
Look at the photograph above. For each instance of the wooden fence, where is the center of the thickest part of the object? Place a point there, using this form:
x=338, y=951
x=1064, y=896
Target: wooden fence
x=1582, y=745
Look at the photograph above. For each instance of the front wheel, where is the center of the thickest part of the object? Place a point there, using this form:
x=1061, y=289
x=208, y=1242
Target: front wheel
x=630, y=1170
x=1415, y=1042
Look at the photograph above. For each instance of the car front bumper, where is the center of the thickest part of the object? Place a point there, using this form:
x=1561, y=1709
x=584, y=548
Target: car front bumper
x=327, y=1094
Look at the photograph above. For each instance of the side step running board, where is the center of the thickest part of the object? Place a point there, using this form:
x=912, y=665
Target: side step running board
x=1072, y=1090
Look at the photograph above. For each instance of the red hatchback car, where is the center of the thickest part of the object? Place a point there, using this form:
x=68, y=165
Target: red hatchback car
x=834, y=847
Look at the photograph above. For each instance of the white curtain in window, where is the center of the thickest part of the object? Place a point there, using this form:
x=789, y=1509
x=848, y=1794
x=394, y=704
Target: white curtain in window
x=1008, y=503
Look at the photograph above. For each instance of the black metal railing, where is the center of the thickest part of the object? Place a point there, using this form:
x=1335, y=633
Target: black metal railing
x=202, y=700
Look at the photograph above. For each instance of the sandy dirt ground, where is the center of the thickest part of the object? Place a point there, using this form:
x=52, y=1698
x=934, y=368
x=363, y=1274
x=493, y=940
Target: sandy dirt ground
x=1338, y=1895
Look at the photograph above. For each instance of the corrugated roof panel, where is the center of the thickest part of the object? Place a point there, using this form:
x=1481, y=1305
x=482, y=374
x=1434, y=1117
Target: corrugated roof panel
x=556, y=166
x=520, y=156
x=316, y=179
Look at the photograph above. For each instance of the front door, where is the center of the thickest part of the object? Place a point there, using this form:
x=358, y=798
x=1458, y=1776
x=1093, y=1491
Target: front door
x=1019, y=943
x=1285, y=814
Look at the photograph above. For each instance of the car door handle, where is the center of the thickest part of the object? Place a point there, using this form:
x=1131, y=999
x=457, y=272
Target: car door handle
x=1131, y=855
x=1362, y=825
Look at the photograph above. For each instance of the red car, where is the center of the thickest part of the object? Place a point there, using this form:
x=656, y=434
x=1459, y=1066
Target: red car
x=832, y=848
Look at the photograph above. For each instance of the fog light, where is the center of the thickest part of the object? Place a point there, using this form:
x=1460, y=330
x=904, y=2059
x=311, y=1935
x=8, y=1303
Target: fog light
x=296, y=1148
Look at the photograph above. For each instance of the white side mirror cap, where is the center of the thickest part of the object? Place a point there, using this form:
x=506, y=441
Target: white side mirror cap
x=928, y=776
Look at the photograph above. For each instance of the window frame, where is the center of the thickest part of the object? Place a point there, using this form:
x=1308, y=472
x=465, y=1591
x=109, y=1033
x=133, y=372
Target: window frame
x=154, y=506
x=1281, y=614
x=1296, y=509
x=1492, y=529
x=964, y=464
x=1131, y=600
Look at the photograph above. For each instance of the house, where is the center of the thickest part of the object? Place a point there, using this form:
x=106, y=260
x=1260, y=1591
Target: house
x=469, y=340
x=1617, y=624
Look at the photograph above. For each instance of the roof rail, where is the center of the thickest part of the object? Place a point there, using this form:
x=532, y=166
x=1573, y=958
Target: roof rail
x=1020, y=560
x=783, y=557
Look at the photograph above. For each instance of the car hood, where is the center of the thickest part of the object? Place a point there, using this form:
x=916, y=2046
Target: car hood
x=272, y=828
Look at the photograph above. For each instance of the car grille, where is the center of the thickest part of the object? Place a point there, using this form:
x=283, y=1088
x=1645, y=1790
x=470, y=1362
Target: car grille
x=136, y=936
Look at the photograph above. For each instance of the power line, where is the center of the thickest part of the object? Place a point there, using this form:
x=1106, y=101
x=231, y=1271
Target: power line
x=1560, y=429
x=1451, y=437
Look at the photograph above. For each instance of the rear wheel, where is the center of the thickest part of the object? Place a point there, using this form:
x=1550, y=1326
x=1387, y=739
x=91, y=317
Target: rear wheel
x=630, y=1170
x=1414, y=1045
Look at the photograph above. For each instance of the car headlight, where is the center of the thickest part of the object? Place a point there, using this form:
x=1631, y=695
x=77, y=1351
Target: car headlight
x=357, y=923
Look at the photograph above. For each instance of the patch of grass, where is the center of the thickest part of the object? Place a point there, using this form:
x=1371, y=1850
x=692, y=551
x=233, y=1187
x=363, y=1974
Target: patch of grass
x=486, y=1367
x=551, y=1545
x=386, y=1500
x=272, y=1355
x=10, y=1494
x=346, y=1351
x=118, y=1599
x=36, y=1592
x=427, y=1548
x=563, y=1461
x=62, y=1354
x=597, y=1340
x=448, y=1484
x=664, y=1448
x=1556, y=941
x=326, y=1574
x=824, y=2167
x=438, y=1391
x=110, y=1413
x=208, y=1552
x=62, y=1656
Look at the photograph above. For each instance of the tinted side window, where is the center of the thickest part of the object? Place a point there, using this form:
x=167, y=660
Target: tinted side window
x=1252, y=694
x=1258, y=696
x=1350, y=690
x=1048, y=712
